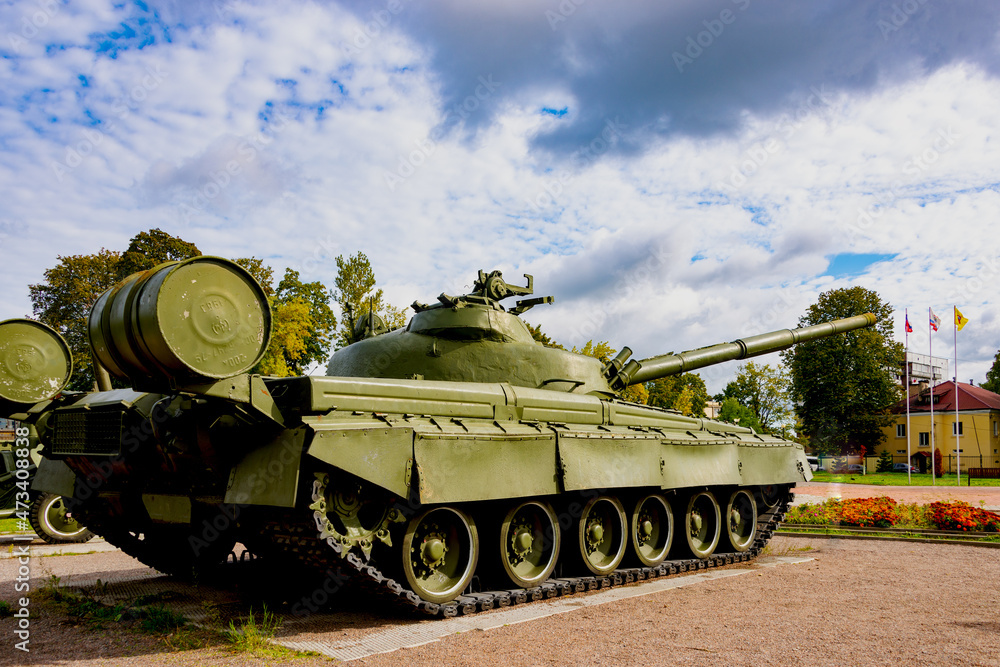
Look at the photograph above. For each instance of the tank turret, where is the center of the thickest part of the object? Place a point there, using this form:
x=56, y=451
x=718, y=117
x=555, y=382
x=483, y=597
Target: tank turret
x=473, y=338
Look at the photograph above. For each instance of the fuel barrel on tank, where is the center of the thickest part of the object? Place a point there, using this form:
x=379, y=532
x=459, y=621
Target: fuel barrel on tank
x=35, y=364
x=202, y=319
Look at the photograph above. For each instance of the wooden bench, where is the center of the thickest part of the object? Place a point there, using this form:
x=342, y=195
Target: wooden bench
x=983, y=473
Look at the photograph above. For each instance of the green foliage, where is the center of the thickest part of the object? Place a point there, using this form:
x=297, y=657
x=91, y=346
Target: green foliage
x=5, y=609
x=355, y=289
x=261, y=272
x=993, y=376
x=147, y=249
x=252, y=635
x=884, y=462
x=541, y=337
x=64, y=299
x=734, y=412
x=664, y=392
x=160, y=619
x=765, y=391
x=844, y=385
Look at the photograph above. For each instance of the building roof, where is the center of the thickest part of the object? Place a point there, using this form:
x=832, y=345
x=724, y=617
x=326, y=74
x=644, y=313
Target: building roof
x=970, y=397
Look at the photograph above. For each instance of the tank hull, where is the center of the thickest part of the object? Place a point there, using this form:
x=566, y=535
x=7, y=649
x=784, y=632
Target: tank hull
x=359, y=461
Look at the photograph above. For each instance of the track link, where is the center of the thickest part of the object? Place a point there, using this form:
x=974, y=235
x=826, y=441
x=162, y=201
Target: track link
x=300, y=539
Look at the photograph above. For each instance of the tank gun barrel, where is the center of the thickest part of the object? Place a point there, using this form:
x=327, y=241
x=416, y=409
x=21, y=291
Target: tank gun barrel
x=675, y=364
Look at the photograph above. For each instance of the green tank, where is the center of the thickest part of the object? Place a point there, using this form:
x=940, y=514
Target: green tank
x=453, y=465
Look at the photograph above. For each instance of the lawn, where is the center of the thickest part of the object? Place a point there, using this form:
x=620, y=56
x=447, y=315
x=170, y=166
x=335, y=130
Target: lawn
x=898, y=479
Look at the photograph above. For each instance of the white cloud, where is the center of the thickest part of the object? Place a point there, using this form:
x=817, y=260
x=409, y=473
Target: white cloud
x=272, y=133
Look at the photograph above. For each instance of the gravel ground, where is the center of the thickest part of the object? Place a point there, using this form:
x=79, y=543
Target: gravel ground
x=859, y=602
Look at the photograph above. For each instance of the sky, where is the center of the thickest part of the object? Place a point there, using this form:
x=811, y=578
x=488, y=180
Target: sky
x=674, y=174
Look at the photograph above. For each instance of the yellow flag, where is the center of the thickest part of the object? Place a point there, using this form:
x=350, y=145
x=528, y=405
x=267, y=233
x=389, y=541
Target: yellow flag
x=960, y=320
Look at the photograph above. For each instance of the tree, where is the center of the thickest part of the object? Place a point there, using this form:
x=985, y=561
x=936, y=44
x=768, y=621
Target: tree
x=664, y=392
x=884, y=463
x=147, y=249
x=292, y=292
x=541, y=337
x=291, y=326
x=64, y=299
x=993, y=376
x=844, y=385
x=734, y=412
x=603, y=352
x=355, y=285
x=764, y=390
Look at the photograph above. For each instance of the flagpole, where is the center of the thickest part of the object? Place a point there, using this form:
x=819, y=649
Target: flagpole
x=906, y=363
x=930, y=353
x=958, y=448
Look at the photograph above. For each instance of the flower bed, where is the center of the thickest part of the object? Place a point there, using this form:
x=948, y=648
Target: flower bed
x=963, y=516
x=884, y=512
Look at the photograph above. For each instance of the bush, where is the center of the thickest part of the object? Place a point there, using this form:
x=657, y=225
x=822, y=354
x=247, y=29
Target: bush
x=937, y=464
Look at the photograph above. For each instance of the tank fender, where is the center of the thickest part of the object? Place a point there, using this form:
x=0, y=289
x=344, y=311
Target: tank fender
x=375, y=451
x=54, y=477
x=269, y=475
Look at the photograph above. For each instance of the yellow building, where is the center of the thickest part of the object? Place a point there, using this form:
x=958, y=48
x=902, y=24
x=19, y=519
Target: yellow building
x=977, y=444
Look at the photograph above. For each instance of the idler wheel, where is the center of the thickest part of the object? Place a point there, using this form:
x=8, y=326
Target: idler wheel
x=740, y=520
x=529, y=543
x=602, y=531
x=652, y=529
x=53, y=523
x=701, y=524
x=440, y=552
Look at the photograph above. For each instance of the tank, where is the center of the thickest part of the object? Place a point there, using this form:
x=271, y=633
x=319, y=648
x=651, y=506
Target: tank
x=450, y=466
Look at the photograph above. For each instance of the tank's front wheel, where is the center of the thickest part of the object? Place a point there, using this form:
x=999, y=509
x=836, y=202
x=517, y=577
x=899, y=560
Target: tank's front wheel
x=701, y=525
x=54, y=523
x=440, y=552
x=740, y=520
x=529, y=543
x=602, y=531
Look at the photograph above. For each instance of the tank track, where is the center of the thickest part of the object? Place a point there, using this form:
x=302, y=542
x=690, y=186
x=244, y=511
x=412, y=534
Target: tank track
x=300, y=539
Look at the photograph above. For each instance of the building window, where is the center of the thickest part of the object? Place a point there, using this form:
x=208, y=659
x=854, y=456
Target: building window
x=996, y=429
x=900, y=451
x=959, y=428
x=925, y=439
x=900, y=430
x=957, y=451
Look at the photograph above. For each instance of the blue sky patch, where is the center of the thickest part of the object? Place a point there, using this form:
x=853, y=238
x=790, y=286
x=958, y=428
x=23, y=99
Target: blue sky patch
x=848, y=264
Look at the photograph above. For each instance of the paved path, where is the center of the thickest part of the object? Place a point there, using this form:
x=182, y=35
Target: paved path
x=812, y=492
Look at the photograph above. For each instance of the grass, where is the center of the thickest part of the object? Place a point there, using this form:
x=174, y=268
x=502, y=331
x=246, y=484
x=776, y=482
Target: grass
x=249, y=635
x=147, y=614
x=898, y=479
x=8, y=525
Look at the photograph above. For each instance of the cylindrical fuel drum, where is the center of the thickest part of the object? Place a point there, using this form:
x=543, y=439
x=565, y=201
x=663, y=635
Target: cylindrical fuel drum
x=202, y=319
x=35, y=364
